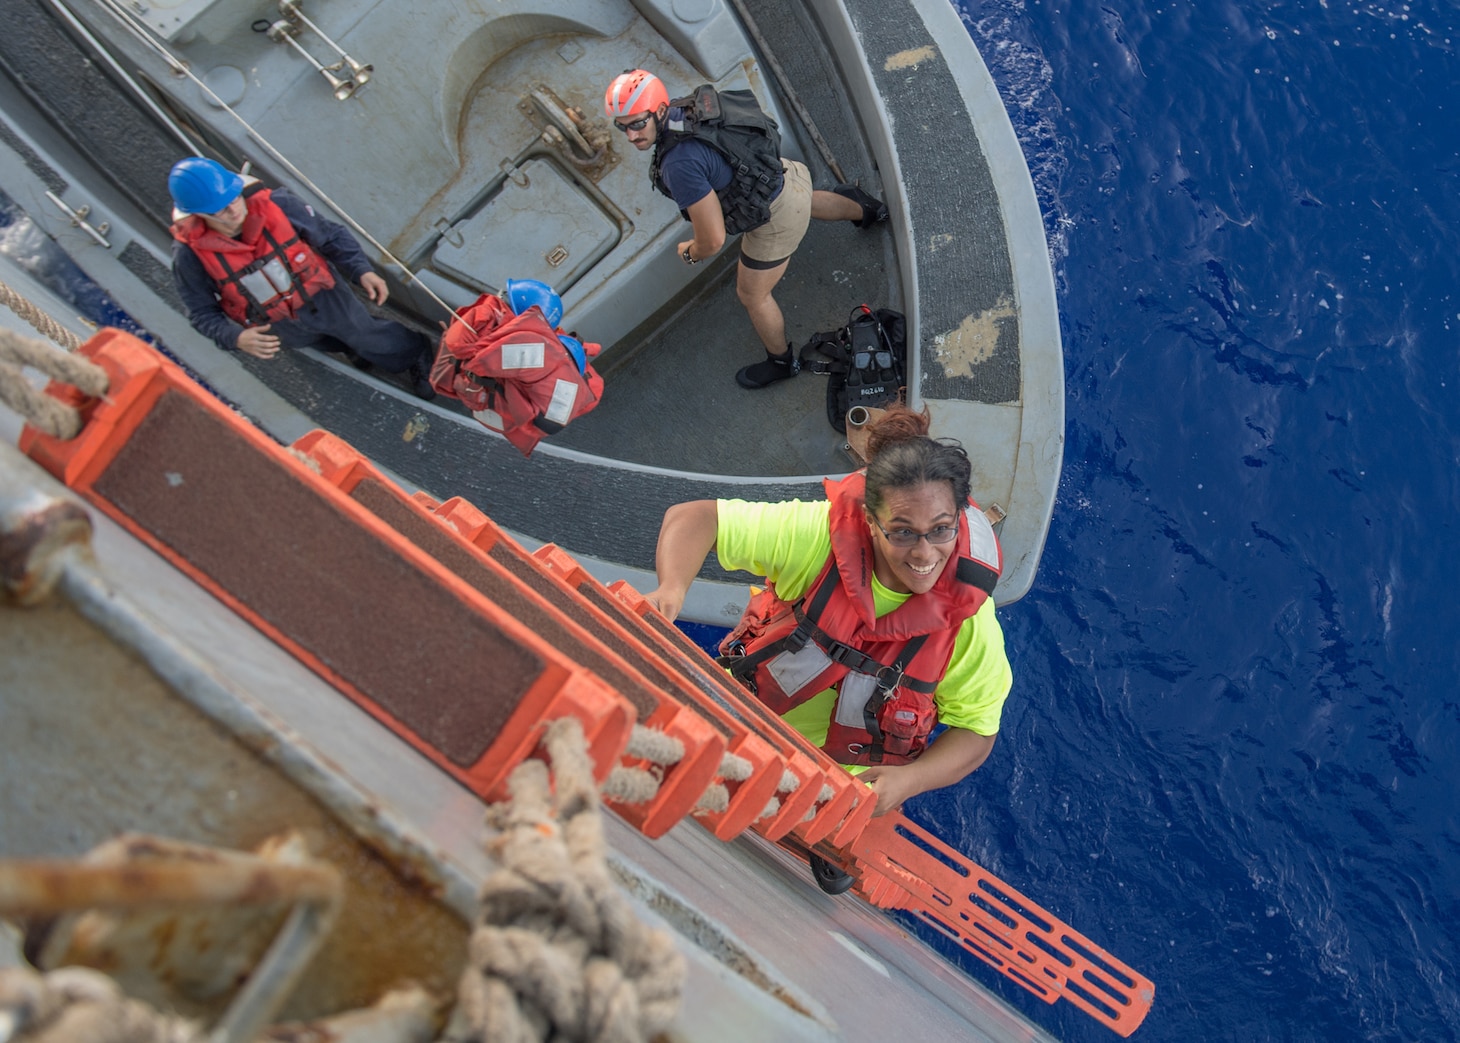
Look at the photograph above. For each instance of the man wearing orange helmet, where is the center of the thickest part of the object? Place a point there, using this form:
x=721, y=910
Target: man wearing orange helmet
x=717, y=155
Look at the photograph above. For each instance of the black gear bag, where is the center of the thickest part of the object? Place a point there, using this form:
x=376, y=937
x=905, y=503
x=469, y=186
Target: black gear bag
x=865, y=361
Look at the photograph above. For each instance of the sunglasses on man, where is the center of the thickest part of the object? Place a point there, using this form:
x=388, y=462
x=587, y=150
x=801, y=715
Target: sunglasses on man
x=638, y=124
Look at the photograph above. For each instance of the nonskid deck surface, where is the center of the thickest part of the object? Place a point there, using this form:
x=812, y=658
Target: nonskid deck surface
x=672, y=401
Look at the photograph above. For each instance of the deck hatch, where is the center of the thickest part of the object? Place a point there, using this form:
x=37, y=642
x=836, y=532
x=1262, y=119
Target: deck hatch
x=539, y=226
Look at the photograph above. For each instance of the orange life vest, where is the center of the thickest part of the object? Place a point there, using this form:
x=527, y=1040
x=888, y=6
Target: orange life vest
x=514, y=373
x=886, y=669
x=267, y=273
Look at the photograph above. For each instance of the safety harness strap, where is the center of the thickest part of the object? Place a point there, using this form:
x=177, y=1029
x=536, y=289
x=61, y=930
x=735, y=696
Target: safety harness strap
x=257, y=314
x=743, y=666
x=874, y=705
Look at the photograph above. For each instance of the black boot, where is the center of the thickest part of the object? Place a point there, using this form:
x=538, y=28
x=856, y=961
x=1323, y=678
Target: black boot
x=418, y=377
x=874, y=211
x=774, y=368
x=830, y=878
x=418, y=380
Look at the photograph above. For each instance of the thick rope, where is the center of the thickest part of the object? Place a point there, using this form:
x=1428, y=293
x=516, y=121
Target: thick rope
x=654, y=746
x=41, y=410
x=631, y=785
x=79, y=1005
x=558, y=953
x=714, y=800
x=821, y=798
x=39, y=320
x=734, y=768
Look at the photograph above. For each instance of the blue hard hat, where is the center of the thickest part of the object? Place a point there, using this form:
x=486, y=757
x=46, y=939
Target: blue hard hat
x=522, y=294
x=575, y=348
x=201, y=186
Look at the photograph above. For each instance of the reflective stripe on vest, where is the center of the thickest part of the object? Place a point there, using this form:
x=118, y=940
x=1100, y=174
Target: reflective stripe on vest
x=266, y=273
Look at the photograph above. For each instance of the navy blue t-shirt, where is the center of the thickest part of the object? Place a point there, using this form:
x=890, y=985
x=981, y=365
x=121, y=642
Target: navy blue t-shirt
x=692, y=170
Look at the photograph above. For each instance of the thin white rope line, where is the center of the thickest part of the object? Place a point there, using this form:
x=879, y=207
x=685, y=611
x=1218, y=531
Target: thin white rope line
x=132, y=24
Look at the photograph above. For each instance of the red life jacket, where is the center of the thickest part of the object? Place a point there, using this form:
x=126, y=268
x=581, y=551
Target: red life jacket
x=267, y=273
x=514, y=373
x=886, y=669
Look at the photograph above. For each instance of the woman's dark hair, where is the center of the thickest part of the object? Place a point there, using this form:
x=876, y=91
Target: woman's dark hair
x=900, y=455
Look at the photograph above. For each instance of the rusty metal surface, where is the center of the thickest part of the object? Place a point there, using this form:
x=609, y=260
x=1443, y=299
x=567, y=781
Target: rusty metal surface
x=138, y=757
x=154, y=912
x=407, y=1015
x=36, y=532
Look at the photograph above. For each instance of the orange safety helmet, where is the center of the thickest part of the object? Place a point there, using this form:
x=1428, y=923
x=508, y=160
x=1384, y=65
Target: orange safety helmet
x=632, y=92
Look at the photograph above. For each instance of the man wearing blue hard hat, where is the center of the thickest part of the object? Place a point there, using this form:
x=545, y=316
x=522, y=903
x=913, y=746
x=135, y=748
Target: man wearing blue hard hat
x=258, y=270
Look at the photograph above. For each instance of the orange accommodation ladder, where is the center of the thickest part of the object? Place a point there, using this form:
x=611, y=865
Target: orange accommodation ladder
x=457, y=677
x=753, y=771
x=674, y=754
x=898, y=865
x=434, y=620
x=815, y=795
x=799, y=785
x=840, y=807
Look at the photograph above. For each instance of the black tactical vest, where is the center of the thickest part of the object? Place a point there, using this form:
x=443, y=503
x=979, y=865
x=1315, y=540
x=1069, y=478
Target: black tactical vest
x=734, y=125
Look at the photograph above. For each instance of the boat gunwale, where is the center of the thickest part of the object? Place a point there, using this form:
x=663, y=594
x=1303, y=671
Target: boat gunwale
x=1021, y=529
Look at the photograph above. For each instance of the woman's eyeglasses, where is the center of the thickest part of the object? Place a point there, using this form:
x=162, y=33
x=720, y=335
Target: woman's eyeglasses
x=638, y=124
x=908, y=538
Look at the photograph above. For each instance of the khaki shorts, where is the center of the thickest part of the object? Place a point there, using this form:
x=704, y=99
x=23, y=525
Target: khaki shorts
x=775, y=241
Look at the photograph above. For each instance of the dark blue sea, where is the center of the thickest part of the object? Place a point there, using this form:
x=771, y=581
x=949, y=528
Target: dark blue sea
x=1230, y=757
x=1232, y=752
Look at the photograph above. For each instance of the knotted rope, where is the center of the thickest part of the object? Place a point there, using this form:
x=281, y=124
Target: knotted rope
x=79, y=1005
x=639, y=785
x=41, y=410
x=558, y=952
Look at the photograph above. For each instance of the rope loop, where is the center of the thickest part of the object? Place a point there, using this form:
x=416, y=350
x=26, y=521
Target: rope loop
x=80, y=1005
x=39, y=409
x=558, y=952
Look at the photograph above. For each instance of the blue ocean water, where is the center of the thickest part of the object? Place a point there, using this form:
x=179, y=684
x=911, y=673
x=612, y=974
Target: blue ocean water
x=1230, y=753
x=29, y=247
x=1228, y=757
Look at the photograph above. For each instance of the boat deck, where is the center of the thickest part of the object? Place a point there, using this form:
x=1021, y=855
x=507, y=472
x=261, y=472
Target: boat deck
x=963, y=255
x=679, y=368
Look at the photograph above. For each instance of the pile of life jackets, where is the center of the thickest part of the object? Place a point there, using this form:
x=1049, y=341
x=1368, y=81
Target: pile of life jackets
x=517, y=374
